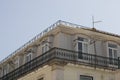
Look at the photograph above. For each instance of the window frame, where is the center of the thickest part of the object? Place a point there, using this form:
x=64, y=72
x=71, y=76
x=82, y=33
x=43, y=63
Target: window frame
x=108, y=48
x=45, y=47
x=17, y=62
x=83, y=42
x=5, y=69
x=27, y=57
x=111, y=59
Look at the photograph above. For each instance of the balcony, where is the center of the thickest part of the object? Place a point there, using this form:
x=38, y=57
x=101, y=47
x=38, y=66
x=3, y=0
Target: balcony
x=59, y=56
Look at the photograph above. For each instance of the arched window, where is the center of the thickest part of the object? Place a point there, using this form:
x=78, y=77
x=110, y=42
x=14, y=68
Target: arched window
x=28, y=57
x=112, y=52
x=82, y=45
x=17, y=62
x=45, y=46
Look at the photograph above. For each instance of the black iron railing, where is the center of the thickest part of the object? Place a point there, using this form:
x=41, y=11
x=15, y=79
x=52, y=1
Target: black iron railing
x=62, y=55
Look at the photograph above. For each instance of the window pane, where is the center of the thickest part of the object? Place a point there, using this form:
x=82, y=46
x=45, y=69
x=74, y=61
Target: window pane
x=110, y=53
x=80, y=39
x=112, y=45
x=111, y=56
x=28, y=57
x=17, y=62
x=79, y=46
x=45, y=47
x=115, y=53
x=82, y=77
x=80, y=50
x=85, y=46
x=5, y=68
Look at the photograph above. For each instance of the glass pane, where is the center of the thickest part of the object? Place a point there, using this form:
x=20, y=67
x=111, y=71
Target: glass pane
x=80, y=39
x=30, y=57
x=111, y=56
x=115, y=53
x=85, y=46
x=46, y=47
x=86, y=77
x=110, y=53
x=80, y=56
x=17, y=63
x=43, y=49
x=80, y=50
x=27, y=59
x=79, y=46
x=112, y=45
x=115, y=56
x=85, y=40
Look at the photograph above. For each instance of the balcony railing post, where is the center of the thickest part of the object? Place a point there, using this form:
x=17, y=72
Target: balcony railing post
x=118, y=62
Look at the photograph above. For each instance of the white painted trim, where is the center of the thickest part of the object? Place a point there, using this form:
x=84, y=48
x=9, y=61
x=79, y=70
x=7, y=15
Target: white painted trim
x=28, y=54
x=44, y=45
x=111, y=48
x=17, y=61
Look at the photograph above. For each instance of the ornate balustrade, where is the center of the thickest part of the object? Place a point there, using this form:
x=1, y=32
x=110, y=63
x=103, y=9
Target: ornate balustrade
x=58, y=56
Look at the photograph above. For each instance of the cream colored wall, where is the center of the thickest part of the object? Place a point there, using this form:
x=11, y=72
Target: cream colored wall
x=38, y=73
x=73, y=72
x=99, y=47
x=117, y=75
x=64, y=41
x=99, y=44
x=49, y=39
x=39, y=52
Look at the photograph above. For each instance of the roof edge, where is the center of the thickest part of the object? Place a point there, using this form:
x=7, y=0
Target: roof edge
x=59, y=22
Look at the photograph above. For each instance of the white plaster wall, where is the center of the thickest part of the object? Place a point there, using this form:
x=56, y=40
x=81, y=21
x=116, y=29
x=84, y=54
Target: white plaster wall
x=74, y=72
x=63, y=41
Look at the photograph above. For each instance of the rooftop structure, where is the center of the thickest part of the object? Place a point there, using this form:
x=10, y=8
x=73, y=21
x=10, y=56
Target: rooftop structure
x=64, y=48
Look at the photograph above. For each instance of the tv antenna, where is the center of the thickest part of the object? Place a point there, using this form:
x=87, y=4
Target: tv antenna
x=93, y=22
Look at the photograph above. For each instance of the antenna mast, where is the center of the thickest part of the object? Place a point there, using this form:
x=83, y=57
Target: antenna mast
x=93, y=22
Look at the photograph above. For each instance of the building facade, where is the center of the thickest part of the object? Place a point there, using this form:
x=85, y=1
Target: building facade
x=65, y=51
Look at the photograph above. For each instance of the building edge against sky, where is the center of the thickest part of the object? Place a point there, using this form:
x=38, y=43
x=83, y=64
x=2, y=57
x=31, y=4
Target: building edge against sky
x=42, y=34
x=47, y=30
x=68, y=50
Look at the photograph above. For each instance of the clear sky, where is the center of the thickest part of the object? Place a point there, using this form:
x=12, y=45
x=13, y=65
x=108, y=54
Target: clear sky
x=21, y=20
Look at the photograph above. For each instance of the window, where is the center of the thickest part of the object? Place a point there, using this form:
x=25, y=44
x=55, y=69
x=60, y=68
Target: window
x=45, y=47
x=28, y=57
x=82, y=46
x=5, y=69
x=112, y=52
x=83, y=77
x=17, y=62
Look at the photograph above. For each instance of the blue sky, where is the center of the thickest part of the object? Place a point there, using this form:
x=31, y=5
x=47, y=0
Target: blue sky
x=21, y=20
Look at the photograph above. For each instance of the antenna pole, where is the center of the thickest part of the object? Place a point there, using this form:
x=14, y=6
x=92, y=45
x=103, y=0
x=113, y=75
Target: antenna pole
x=93, y=22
